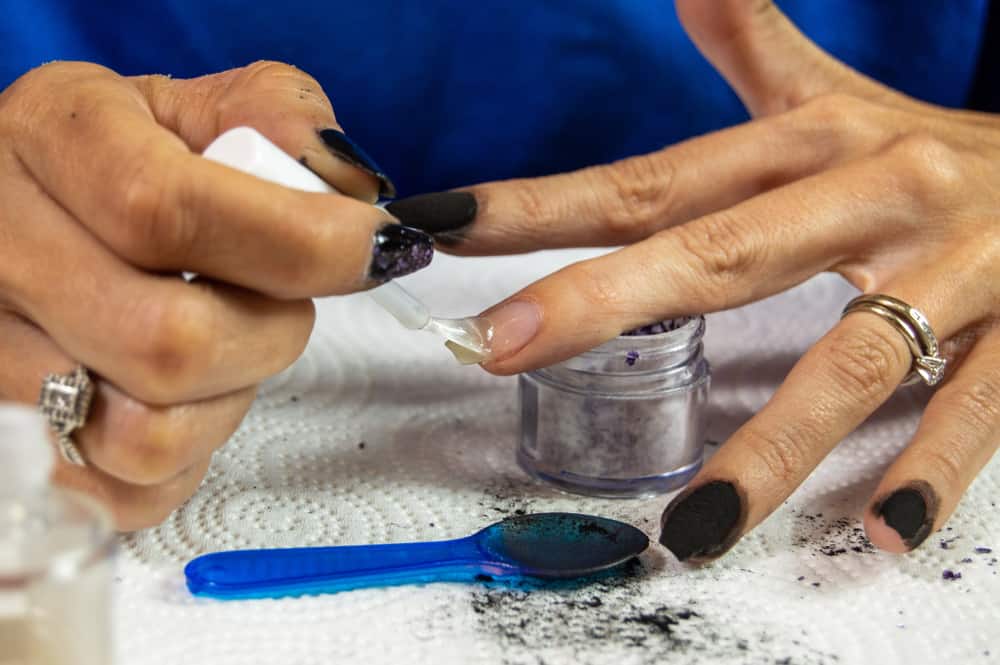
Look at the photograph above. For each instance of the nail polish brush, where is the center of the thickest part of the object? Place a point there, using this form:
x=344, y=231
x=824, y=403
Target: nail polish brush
x=247, y=150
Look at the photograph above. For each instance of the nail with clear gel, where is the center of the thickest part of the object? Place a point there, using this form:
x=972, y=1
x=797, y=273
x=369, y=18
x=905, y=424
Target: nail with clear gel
x=513, y=324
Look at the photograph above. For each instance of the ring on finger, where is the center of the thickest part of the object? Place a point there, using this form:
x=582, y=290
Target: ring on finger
x=65, y=400
x=928, y=364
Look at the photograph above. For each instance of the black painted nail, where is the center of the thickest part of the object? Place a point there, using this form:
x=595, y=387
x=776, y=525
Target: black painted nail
x=398, y=250
x=703, y=522
x=910, y=510
x=342, y=146
x=442, y=214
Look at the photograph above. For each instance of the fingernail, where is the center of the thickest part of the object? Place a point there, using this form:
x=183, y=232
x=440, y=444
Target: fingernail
x=442, y=214
x=398, y=250
x=340, y=145
x=515, y=323
x=910, y=511
x=703, y=522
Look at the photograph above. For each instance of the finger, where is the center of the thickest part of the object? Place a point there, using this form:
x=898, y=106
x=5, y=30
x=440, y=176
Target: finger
x=834, y=387
x=160, y=339
x=758, y=248
x=828, y=393
x=160, y=207
x=629, y=200
x=126, y=439
x=282, y=102
x=134, y=507
x=958, y=434
x=770, y=64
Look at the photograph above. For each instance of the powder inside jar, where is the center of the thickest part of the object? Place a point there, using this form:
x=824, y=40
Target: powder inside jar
x=624, y=419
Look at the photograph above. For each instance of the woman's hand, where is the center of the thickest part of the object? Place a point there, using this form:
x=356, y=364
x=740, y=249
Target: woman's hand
x=104, y=201
x=835, y=173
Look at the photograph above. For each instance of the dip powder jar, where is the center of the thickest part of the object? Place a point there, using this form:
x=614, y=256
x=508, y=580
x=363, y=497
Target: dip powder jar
x=623, y=420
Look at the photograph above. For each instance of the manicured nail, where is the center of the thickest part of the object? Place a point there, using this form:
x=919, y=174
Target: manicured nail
x=443, y=214
x=515, y=323
x=339, y=144
x=398, y=250
x=910, y=511
x=703, y=522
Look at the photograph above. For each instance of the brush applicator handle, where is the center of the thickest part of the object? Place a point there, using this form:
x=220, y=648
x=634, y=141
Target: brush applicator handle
x=247, y=150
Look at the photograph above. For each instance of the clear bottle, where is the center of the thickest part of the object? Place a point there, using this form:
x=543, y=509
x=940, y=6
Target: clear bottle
x=56, y=556
x=624, y=420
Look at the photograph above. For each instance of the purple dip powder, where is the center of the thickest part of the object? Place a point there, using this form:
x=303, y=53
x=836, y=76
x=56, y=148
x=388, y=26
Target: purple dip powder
x=626, y=419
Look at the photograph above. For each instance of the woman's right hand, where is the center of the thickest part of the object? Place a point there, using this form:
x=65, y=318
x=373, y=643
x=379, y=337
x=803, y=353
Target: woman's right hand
x=104, y=201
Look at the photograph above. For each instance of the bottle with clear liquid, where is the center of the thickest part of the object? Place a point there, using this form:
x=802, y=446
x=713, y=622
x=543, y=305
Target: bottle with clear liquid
x=56, y=556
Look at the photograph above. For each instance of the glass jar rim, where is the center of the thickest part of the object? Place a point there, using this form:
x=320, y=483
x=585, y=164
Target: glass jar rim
x=670, y=341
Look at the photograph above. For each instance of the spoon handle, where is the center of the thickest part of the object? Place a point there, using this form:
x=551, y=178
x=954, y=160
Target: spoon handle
x=273, y=573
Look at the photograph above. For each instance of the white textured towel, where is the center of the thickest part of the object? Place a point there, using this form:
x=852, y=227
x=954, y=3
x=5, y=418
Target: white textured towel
x=376, y=435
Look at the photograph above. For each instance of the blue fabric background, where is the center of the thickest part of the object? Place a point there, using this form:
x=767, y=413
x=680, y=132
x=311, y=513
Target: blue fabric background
x=449, y=92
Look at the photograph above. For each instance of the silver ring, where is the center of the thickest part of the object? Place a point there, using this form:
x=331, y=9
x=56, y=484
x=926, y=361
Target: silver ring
x=65, y=402
x=928, y=365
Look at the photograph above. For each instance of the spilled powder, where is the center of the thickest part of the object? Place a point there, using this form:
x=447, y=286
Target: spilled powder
x=587, y=622
x=832, y=536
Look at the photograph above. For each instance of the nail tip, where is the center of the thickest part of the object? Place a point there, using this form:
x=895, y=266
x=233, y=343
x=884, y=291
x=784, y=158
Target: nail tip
x=344, y=147
x=702, y=523
x=398, y=251
x=910, y=511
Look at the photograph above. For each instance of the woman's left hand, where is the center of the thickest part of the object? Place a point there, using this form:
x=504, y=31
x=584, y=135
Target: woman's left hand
x=835, y=173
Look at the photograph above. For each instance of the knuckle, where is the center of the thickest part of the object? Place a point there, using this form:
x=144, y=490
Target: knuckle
x=599, y=288
x=155, y=226
x=976, y=405
x=641, y=192
x=534, y=205
x=830, y=118
x=275, y=70
x=155, y=450
x=929, y=168
x=866, y=363
x=30, y=97
x=720, y=252
x=305, y=267
x=783, y=454
x=172, y=343
x=945, y=459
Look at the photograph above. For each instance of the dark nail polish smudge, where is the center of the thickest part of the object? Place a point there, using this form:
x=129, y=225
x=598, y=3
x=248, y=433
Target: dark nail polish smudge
x=443, y=214
x=343, y=147
x=910, y=510
x=702, y=522
x=399, y=251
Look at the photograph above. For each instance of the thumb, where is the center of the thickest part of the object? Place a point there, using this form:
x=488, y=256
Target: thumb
x=770, y=64
x=280, y=101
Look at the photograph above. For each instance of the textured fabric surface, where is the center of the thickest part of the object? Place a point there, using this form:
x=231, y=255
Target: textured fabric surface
x=377, y=436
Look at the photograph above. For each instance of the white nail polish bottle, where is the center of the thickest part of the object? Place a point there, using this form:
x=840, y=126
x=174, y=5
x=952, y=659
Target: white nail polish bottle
x=56, y=556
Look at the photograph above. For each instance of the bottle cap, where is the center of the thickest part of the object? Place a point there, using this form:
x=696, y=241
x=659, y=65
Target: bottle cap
x=26, y=455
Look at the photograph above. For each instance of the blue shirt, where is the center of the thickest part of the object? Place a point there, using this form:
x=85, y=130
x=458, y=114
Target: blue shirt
x=449, y=92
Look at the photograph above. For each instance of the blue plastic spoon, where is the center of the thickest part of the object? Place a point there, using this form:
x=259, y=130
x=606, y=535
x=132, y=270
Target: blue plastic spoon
x=545, y=545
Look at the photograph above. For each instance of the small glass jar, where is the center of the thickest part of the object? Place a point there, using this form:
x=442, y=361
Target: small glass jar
x=624, y=420
x=56, y=565
x=56, y=556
